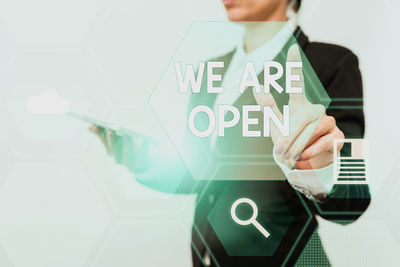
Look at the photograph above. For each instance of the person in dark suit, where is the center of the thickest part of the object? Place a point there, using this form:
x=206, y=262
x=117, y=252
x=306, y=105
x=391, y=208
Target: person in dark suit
x=288, y=210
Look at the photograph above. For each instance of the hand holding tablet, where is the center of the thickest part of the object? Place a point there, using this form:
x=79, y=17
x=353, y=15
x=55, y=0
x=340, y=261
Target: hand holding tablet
x=127, y=147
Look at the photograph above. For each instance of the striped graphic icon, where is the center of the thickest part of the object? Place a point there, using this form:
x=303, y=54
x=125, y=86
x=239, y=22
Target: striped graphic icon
x=351, y=162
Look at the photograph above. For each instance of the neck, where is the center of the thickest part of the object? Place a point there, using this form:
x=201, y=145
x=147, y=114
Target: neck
x=257, y=33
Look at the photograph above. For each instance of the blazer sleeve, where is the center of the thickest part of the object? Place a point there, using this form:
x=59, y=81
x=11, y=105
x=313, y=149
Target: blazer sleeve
x=166, y=172
x=156, y=180
x=346, y=92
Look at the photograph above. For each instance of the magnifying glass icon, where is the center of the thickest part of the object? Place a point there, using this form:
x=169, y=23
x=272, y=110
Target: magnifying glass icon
x=252, y=219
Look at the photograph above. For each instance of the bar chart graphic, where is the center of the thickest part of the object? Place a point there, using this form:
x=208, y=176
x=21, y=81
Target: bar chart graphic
x=351, y=162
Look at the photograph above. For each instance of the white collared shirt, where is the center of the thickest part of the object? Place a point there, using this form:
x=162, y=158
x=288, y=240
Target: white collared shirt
x=311, y=183
x=233, y=75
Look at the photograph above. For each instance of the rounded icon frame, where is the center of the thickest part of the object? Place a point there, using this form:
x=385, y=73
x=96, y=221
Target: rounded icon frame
x=288, y=248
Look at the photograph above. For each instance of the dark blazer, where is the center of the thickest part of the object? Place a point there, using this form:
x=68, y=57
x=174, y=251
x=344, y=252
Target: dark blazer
x=286, y=213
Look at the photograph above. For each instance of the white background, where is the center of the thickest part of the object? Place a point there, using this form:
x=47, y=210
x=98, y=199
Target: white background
x=63, y=202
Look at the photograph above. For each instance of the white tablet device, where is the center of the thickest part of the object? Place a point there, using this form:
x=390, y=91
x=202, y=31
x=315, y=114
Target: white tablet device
x=118, y=129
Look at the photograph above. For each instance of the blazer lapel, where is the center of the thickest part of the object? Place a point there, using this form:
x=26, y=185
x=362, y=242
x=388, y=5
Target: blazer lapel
x=247, y=97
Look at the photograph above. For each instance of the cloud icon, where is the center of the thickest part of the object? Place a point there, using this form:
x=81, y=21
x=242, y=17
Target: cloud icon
x=48, y=102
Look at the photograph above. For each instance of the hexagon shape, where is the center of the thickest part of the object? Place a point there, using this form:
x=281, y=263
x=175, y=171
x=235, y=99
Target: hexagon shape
x=288, y=221
x=46, y=207
x=130, y=243
x=61, y=24
x=240, y=236
x=126, y=193
x=64, y=71
x=119, y=39
x=232, y=157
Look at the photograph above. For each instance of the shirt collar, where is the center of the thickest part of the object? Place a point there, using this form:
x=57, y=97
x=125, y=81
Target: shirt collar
x=269, y=49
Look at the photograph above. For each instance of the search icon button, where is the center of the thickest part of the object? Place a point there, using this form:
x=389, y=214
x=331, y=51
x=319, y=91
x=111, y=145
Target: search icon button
x=252, y=219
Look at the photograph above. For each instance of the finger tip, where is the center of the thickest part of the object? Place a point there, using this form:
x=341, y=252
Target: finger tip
x=294, y=53
x=294, y=48
x=297, y=165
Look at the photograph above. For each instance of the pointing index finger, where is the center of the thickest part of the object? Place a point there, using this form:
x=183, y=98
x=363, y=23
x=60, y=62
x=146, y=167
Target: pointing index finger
x=266, y=99
x=294, y=77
